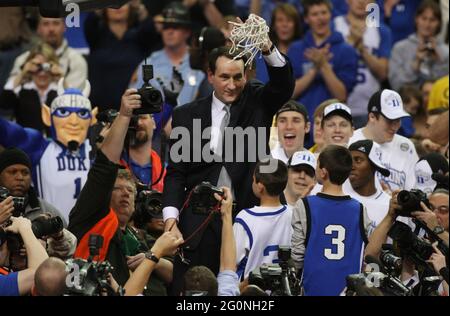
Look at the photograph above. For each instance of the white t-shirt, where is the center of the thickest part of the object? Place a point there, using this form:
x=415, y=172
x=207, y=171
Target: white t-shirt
x=377, y=204
x=400, y=157
x=279, y=153
x=259, y=232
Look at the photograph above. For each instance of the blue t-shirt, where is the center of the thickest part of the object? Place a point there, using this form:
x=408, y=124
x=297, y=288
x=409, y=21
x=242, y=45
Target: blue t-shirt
x=9, y=285
x=344, y=63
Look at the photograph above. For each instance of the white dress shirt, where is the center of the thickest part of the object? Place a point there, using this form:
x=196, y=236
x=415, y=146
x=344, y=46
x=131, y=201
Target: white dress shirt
x=274, y=59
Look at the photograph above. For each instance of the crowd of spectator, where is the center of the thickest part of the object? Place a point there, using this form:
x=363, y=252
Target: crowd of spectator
x=350, y=97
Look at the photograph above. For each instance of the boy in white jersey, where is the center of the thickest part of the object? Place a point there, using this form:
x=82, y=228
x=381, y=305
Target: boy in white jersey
x=259, y=231
x=398, y=153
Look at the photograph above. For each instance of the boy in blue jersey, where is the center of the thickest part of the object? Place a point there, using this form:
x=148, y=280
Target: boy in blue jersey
x=330, y=229
x=259, y=231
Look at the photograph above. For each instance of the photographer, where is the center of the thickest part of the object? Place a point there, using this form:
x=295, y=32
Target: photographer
x=141, y=159
x=15, y=176
x=421, y=56
x=106, y=202
x=436, y=217
x=20, y=283
x=35, y=85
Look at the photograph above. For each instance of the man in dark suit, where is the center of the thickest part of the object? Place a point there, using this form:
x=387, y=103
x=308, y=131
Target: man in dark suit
x=234, y=103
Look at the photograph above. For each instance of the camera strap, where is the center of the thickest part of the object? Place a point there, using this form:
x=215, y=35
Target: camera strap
x=208, y=219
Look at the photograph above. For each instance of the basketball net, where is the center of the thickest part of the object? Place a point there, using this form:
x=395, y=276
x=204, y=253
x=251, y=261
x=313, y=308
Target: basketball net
x=249, y=37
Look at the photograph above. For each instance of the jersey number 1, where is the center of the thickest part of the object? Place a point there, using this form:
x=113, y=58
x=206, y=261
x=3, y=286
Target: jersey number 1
x=337, y=241
x=77, y=187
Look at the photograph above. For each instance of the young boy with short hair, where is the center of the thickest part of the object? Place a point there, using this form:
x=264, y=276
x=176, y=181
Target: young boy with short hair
x=260, y=231
x=330, y=228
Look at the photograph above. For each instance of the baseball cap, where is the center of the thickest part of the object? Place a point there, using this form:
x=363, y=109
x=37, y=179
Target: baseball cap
x=293, y=105
x=338, y=109
x=373, y=152
x=303, y=158
x=176, y=14
x=387, y=102
x=427, y=170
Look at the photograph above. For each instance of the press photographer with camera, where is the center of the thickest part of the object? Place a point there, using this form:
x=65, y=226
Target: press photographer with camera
x=20, y=283
x=106, y=202
x=19, y=198
x=412, y=249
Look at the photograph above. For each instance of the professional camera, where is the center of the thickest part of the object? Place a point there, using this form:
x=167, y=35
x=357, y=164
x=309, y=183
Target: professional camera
x=202, y=199
x=151, y=97
x=410, y=201
x=390, y=260
x=19, y=202
x=90, y=278
x=409, y=244
x=148, y=206
x=375, y=284
x=41, y=227
x=280, y=279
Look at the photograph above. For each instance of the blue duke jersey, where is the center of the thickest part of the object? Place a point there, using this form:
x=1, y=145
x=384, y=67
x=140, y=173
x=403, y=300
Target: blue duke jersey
x=60, y=175
x=377, y=40
x=334, y=243
x=259, y=232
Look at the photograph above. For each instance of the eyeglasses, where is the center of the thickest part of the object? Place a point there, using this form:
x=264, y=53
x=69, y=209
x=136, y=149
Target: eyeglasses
x=443, y=209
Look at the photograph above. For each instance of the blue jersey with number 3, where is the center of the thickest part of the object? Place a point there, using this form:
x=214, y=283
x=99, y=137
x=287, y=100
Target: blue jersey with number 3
x=334, y=243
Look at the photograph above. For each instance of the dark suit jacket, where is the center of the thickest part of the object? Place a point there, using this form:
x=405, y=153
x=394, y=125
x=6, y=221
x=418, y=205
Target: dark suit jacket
x=255, y=108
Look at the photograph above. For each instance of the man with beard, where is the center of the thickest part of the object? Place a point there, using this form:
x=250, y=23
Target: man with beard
x=141, y=159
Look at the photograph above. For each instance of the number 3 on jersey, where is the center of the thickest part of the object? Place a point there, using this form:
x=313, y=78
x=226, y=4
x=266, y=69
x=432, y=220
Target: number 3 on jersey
x=338, y=241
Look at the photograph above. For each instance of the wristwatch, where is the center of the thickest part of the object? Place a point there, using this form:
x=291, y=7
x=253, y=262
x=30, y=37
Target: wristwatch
x=438, y=230
x=151, y=256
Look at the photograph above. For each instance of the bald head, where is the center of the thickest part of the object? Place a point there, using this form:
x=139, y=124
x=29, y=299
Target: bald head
x=50, y=278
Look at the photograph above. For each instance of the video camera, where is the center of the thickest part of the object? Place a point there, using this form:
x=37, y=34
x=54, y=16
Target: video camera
x=202, y=199
x=41, y=227
x=148, y=205
x=19, y=202
x=415, y=248
x=410, y=201
x=90, y=278
x=280, y=279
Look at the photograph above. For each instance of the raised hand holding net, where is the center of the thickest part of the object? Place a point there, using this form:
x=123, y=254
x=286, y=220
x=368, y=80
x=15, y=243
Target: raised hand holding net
x=250, y=37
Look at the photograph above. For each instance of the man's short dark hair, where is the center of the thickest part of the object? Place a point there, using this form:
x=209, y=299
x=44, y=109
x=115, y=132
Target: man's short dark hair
x=274, y=182
x=223, y=52
x=307, y=4
x=200, y=279
x=337, y=160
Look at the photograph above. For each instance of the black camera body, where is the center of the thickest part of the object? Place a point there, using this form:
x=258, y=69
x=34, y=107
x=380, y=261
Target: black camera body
x=151, y=98
x=202, y=200
x=279, y=279
x=410, y=201
x=90, y=277
x=410, y=245
x=19, y=202
x=41, y=226
x=148, y=205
